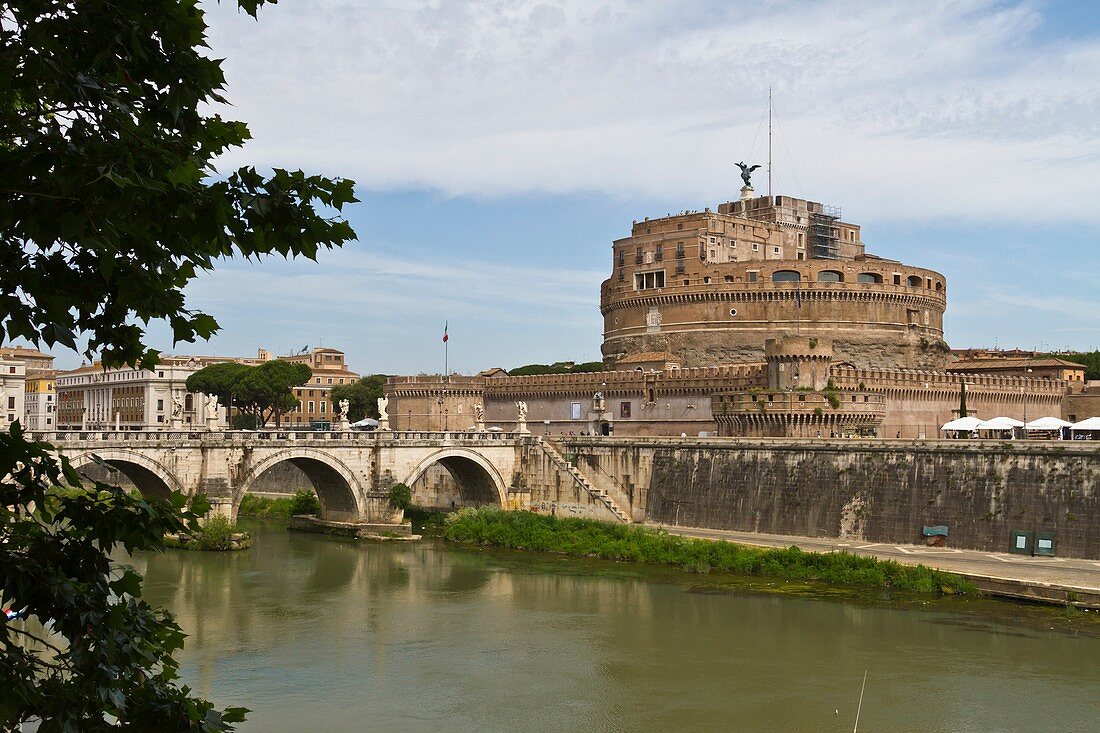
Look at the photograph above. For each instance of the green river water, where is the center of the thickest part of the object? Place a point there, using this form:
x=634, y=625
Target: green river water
x=319, y=634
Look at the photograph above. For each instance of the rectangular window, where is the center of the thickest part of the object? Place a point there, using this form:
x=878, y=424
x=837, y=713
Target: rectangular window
x=638, y=256
x=311, y=406
x=160, y=405
x=660, y=252
x=49, y=421
x=624, y=409
x=330, y=380
x=622, y=257
x=649, y=280
x=323, y=405
x=11, y=403
x=575, y=411
x=755, y=247
x=752, y=275
x=679, y=249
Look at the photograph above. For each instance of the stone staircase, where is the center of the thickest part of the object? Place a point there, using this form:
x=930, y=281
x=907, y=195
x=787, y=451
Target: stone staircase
x=598, y=495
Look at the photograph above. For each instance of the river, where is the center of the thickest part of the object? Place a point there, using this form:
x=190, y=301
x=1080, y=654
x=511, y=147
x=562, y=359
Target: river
x=318, y=634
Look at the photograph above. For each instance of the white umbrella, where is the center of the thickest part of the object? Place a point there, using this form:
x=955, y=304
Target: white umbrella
x=367, y=422
x=1001, y=423
x=963, y=423
x=1093, y=423
x=1048, y=423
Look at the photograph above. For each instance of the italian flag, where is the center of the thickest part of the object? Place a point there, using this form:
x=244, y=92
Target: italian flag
x=445, y=336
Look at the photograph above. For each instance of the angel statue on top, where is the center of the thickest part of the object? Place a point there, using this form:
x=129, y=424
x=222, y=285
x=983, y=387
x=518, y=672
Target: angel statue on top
x=746, y=172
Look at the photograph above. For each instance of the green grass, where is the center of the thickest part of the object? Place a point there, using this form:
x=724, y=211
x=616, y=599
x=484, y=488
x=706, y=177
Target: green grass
x=262, y=507
x=590, y=538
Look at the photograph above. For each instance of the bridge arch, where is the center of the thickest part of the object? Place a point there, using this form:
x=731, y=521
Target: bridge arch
x=332, y=480
x=151, y=477
x=477, y=478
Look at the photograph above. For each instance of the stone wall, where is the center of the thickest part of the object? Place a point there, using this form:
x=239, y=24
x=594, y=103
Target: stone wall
x=873, y=491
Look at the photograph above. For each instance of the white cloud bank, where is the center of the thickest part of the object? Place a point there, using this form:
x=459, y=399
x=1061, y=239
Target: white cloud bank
x=898, y=109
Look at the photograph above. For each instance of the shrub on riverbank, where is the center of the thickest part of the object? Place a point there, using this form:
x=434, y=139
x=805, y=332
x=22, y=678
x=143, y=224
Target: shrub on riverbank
x=216, y=533
x=590, y=538
x=262, y=507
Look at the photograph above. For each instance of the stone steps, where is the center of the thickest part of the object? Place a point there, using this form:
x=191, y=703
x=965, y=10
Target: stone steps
x=596, y=493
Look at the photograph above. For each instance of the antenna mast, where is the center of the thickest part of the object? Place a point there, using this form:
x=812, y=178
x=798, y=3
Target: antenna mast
x=769, y=140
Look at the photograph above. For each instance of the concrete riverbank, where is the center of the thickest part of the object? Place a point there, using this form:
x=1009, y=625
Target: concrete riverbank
x=1055, y=580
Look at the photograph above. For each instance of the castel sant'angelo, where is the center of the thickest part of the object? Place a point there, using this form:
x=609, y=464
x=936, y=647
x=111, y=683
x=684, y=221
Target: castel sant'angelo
x=763, y=317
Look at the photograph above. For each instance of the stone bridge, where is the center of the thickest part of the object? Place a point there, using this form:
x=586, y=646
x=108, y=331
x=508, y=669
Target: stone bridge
x=351, y=472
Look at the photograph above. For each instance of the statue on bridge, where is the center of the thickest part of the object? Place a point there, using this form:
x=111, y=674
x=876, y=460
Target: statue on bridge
x=342, y=416
x=176, y=420
x=598, y=404
x=479, y=417
x=383, y=416
x=210, y=404
x=521, y=417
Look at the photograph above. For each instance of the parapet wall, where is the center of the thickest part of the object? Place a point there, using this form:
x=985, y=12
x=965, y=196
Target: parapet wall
x=866, y=490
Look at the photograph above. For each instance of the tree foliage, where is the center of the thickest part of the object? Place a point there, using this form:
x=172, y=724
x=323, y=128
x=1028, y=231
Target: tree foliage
x=110, y=205
x=362, y=396
x=267, y=389
x=1090, y=359
x=111, y=200
x=218, y=379
x=107, y=652
x=558, y=367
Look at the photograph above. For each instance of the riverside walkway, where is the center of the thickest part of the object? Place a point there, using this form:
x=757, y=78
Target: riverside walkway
x=1043, y=579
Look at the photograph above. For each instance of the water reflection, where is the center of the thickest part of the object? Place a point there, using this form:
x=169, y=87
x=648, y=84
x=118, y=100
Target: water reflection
x=320, y=634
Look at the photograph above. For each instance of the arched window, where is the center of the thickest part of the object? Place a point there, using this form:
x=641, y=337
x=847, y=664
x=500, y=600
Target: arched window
x=786, y=276
x=870, y=277
x=830, y=276
x=939, y=286
x=915, y=281
x=189, y=403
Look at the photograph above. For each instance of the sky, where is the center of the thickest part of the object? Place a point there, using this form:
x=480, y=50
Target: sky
x=500, y=146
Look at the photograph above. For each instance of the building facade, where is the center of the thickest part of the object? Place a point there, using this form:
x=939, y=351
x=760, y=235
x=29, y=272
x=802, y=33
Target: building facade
x=94, y=398
x=40, y=401
x=315, y=406
x=13, y=377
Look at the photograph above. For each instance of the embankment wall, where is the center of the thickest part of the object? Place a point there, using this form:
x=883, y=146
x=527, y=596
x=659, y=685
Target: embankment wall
x=869, y=490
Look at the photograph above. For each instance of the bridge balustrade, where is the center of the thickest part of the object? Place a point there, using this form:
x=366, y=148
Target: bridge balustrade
x=80, y=436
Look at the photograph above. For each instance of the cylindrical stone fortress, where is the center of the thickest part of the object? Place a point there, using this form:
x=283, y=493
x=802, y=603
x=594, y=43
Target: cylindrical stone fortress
x=710, y=288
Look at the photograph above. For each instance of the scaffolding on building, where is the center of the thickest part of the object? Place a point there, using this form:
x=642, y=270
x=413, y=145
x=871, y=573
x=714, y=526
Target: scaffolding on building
x=824, y=234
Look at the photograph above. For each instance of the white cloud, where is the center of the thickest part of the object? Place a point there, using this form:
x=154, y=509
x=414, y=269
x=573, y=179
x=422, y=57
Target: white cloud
x=957, y=110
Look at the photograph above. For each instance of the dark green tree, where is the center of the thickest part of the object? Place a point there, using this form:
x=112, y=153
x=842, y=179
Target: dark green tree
x=109, y=206
x=220, y=380
x=362, y=396
x=267, y=389
x=559, y=367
